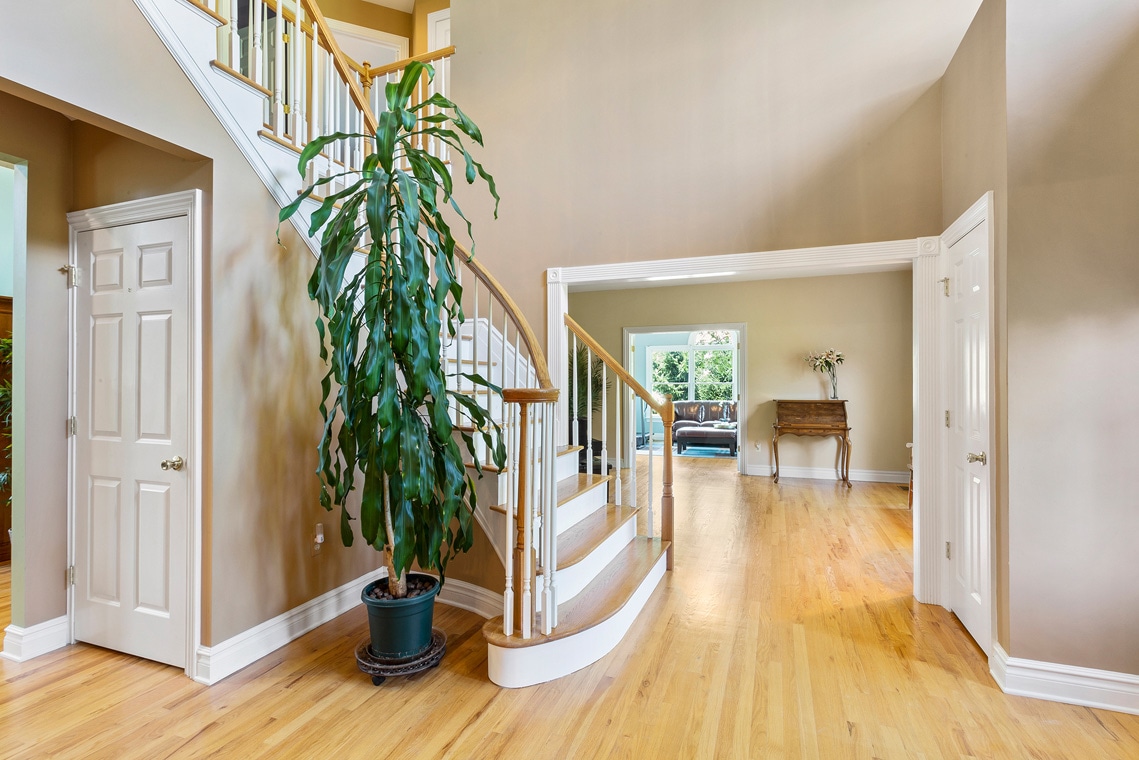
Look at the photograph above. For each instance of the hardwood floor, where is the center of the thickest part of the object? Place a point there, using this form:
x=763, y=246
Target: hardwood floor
x=787, y=630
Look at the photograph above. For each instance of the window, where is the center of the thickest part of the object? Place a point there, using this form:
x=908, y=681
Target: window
x=704, y=370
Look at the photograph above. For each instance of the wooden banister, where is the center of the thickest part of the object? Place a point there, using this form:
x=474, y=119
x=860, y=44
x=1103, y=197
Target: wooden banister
x=663, y=408
x=537, y=355
x=340, y=61
x=434, y=55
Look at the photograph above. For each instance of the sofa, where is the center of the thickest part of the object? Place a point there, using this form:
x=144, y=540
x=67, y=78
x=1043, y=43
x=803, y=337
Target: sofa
x=705, y=423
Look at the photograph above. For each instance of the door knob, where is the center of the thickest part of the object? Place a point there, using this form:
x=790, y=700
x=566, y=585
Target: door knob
x=173, y=464
x=977, y=458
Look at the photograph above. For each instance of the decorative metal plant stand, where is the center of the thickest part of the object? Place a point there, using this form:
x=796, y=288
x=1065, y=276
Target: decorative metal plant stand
x=379, y=668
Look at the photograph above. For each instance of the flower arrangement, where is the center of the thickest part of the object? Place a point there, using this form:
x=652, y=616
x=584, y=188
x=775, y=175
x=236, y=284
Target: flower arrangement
x=827, y=361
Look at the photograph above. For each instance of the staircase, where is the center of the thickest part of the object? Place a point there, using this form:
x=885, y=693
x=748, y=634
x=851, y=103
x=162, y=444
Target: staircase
x=581, y=550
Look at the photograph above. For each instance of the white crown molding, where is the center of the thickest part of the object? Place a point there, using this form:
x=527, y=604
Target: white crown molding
x=801, y=262
x=1103, y=689
x=828, y=473
x=22, y=644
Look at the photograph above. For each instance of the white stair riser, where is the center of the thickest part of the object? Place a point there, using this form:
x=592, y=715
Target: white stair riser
x=566, y=465
x=577, y=576
x=526, y=666
x=581, y=506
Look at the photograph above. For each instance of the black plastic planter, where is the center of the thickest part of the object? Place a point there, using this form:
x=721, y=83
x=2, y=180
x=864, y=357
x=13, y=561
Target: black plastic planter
x=400, y=628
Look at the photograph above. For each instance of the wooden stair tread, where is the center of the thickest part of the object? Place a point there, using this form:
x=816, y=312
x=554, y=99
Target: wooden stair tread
x=576, y=485
x=600, y=600
x=576, y=543
x=563, y=450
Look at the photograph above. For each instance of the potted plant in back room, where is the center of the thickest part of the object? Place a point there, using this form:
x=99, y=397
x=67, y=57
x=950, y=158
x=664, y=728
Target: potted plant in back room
x=386, y=406
x=589, y=377
x=827, y=362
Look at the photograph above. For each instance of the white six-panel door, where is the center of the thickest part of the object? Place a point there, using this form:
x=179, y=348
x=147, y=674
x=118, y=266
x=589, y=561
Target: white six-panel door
x=969, y=466
x=132, y=368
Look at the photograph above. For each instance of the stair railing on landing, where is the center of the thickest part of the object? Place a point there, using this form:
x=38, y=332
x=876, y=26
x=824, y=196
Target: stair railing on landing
x=285, y=50
x=584, y=354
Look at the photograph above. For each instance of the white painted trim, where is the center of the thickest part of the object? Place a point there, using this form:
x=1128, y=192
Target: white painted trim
x=894, y=255
x=387, y=39
x=22, y=644
x=557, y=346
x=1070, y=684
x=224, y=659
x=472, y=598
x=526, y=666
x=828, y=473
x=434, y=18
x=929, y=424
x=188, y=203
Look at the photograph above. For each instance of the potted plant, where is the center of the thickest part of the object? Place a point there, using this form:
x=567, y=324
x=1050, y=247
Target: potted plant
x=388, y=430
x=827, y=362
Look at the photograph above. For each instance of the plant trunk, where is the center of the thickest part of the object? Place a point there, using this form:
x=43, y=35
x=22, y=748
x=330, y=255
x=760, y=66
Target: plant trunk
x=397, y=584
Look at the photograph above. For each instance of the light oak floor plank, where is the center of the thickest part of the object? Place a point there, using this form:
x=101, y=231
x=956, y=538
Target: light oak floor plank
x=787, y=630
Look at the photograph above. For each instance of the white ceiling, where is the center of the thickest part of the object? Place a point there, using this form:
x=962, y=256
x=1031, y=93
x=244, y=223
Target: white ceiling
x=399, y=5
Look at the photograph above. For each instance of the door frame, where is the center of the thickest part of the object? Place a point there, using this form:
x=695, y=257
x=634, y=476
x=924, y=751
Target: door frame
x=188, y=203
x=981, y=212
x=740, y=328
x=922, y=256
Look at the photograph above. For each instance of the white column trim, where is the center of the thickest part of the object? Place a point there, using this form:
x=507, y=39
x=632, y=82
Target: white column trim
x=557, y=306
x=928, y=423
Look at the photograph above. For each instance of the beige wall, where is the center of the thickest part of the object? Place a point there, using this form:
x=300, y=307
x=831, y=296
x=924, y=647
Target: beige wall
x=974, y=144
x=370, y=15
x=39, y=551
x=647, y=130
x=262, y=368
x=1073, y=331
x=419, y=23
x=867, y=316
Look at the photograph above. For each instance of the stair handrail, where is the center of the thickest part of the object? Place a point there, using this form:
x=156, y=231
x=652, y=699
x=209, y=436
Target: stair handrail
x=428, y=57
x=667, y=414
x=341, y=63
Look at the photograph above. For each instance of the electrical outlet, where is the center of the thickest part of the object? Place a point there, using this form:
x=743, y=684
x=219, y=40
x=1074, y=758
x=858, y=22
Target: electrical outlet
x=318, y=539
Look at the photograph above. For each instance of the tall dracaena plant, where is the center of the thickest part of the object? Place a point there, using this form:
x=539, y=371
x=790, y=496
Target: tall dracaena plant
x=386, y=405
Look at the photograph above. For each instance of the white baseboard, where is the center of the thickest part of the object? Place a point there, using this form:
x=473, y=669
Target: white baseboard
x=827, y=473
x=224, y=659
x=1072, y=685
x=467, y=596
x=22, y=644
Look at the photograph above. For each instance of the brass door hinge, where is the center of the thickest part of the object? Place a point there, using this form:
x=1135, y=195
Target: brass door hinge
x=947, y=552
x=945, y=285
x=72, y=427
x=72, y=273
x=947, y=418
x=71, y=575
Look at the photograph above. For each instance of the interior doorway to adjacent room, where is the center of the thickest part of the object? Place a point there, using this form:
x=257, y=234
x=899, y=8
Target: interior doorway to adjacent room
x=701, y=367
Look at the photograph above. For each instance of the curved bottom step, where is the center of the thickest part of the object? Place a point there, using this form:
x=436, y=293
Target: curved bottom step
x=589, y=626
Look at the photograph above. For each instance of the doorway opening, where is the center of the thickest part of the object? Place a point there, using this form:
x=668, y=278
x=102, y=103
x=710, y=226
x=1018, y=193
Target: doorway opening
x=13, y=203
x=700, y=367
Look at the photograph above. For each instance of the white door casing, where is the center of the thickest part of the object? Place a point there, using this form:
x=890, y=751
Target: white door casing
x=135, y=531
x=968, y=449
x=438, y=29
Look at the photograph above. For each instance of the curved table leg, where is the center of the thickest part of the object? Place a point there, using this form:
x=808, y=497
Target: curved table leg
x=775, y=451
x=846, y=463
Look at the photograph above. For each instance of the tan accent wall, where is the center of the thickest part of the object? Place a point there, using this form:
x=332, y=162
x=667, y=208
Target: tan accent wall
x=867, y=316
x=373, y=16
x=419, y=23
x=659, y=130
x=40, y=137
x=974, y=161
x=1073, y=331
x=262, y=372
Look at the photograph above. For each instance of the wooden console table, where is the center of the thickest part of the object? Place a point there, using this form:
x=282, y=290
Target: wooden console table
x=818, y=418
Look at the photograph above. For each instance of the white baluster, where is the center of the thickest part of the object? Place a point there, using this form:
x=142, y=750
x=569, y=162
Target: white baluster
x=604, y=419
x=574, y=427
x=527, y=568
x=551, y=504
x=589, y=359
x=652, y=447
x=233, y=36
x=631, y=401
x=278, y=88
x=622, y=436
x=257, y=14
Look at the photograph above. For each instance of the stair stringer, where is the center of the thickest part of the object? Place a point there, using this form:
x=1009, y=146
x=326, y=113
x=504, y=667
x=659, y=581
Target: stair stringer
x=191, y=37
